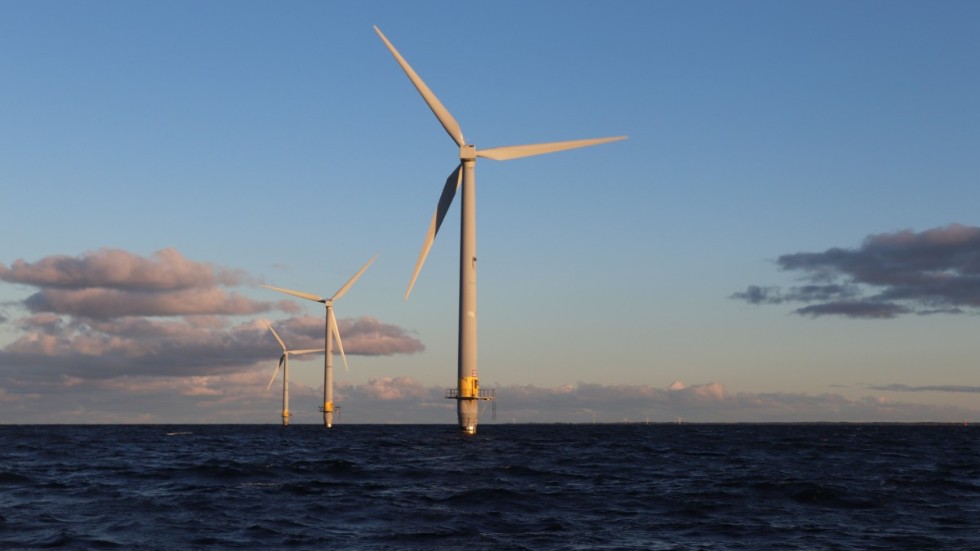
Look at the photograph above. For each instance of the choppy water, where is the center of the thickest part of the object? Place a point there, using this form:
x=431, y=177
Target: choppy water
x=539, y=487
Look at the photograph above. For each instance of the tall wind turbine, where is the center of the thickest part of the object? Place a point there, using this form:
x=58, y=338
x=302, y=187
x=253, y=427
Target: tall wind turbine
x=284, y=364
x=467, y=393
x=330, y=332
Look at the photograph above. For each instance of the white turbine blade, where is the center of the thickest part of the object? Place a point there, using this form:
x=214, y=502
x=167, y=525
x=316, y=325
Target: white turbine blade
x=351, y=281
x=276, y=372
x=276, y=335
x=441, y=113
x=445, y=200
x=307, y=351
x=300, y=294
x=517, y=151
x=336, y=335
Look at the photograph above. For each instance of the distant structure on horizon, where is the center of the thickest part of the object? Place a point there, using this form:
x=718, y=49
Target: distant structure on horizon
x=467, y=393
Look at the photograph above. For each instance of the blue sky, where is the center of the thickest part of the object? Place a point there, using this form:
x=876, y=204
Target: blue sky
x=255, y=143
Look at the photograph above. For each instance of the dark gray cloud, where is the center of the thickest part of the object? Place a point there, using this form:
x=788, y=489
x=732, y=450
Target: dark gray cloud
x=854, y=309
x=890, y=274
x=755, y=294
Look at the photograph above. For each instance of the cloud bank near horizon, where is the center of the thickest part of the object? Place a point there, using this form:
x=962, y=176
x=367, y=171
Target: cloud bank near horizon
x=82, y=360
x=889, y=275
x=111, y=314
x=243, y=398
x=927, y=388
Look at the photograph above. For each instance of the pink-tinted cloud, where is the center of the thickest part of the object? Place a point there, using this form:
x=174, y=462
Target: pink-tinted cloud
x=132, y=346
x=706, y=392
x=165, y=270
x=364, y=336
x=114, y=315
x=369, y=336
x=391, y=388
x=193, y=346
x=111, y=283
x=99, y=303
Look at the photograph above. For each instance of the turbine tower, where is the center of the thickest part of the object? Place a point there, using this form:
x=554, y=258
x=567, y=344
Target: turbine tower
x=467, y=393
x=330, y=332
x=284, y=364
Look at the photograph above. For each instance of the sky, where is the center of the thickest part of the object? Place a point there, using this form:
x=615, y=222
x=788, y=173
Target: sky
x=788, y=234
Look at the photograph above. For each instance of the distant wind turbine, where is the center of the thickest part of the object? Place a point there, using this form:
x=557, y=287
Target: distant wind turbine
x=284, y=364
x=330, y=332
x=467, y=393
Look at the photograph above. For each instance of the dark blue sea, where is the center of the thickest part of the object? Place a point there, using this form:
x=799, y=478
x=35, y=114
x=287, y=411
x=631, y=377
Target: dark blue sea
x=536, y=487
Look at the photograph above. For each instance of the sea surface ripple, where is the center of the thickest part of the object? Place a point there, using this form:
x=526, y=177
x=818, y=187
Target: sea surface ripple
x=534, y=487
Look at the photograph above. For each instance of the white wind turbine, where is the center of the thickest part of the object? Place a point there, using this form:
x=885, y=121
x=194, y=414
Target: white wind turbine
x=330, y=332
x=467, y=393
x=284, y=364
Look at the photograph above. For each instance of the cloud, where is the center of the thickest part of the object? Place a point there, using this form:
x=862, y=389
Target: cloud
x=99, y=303
x=165, y=270
x=114, y=315
x=364, y=336
x=890, y=274
x=855, y=309
x=709, y=402
x=192, y=346
x=755, y=294
x=372, y=337
x=390, y=389
x=110, y=283
x=131, y=347
x=242, y=397
x=927, y=388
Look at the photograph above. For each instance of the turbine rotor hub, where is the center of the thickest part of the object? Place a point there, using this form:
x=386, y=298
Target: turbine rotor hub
x=467, y=153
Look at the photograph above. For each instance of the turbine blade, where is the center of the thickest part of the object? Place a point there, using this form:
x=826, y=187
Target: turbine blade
x=276, y=335
x=300, y=294
x=441, y=113
x=336, y=335
x=517, y=151
x=276, y=372
x=351, y=281
x=307, y=351
x=445, y=200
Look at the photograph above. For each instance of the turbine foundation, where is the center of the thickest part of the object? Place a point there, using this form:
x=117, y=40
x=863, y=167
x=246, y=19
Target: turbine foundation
x=468, y=397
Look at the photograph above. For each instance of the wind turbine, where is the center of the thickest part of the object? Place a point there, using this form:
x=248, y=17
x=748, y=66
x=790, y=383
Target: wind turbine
x=330, y=332
x=467, y=393
x=284, y=364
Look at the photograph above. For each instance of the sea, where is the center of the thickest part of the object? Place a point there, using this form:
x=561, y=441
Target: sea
x=511, y=486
